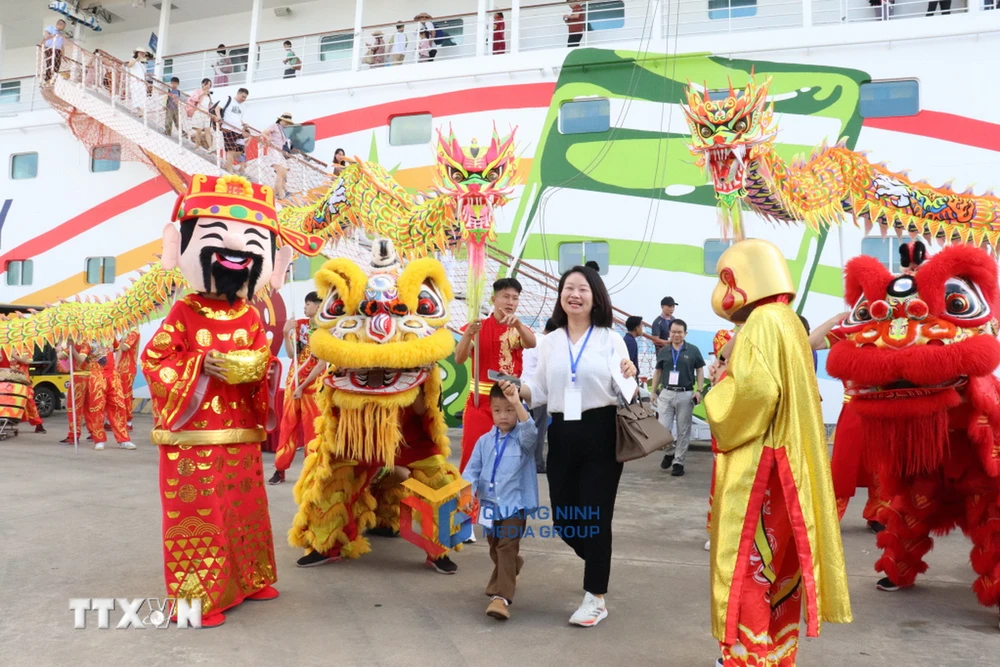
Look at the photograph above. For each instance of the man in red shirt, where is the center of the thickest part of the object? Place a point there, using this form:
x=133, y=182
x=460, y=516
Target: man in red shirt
x=574, y=23
x=502, y=337
x=128, y=358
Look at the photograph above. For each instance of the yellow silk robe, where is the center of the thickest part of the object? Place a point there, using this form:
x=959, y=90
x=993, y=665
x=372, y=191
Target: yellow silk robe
x=766, y=419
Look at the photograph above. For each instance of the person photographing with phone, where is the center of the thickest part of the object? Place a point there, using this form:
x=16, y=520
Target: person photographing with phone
x=501, y=339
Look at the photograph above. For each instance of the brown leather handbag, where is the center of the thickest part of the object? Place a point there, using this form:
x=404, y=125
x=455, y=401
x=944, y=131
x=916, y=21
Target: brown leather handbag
x=640, y=433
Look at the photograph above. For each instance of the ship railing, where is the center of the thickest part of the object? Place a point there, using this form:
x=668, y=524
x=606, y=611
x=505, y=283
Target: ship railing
x=225, y=67
x=829, y=12
x=146, y=101
x=20, y=94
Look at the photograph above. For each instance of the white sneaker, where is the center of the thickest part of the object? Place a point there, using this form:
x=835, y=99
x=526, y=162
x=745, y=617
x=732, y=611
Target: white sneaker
x=708, y=545
x=99, y=446
x=126, y=445
x=591, y=612
x=472, y=537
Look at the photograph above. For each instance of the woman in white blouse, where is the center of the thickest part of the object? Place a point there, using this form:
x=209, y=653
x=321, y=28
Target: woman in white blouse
x=576, y=363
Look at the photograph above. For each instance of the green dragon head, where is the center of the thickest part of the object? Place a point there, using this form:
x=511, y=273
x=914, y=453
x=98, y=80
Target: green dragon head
x=728, y=133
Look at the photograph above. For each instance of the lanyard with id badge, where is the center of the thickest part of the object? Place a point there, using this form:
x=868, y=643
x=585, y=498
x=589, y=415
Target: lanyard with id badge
x=489, y=508
x=573, y=398
x=674, y=378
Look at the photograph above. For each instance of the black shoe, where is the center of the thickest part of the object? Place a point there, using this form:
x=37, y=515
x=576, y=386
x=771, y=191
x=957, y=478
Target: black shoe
x=541, y=470
x=668, y=460
x=277, y=478
x=678, y=470
x=66, y=441
x=40, y=429
x=314, y=558
x=885, y=584
x=381, y=531
x=90, y=438
x=443, y=565
x=875, y=527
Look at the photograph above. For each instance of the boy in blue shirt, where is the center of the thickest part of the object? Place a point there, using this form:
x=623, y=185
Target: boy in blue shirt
x=503, y=477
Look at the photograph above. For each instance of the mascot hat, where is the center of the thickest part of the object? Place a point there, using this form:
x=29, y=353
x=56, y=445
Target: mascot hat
x=749, y=271
x=235, y=198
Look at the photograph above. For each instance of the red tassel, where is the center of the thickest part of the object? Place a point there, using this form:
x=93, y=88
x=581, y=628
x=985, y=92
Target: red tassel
x=906, y=447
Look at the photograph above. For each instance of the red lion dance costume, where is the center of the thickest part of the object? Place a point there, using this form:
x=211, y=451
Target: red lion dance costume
x=918, y=362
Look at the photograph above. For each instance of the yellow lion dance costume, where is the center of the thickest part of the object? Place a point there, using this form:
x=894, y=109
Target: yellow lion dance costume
x=382, y=332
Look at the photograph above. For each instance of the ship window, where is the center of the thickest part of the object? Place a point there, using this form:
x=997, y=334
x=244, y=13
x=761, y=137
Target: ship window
x=735, y=9
x=607, y=15
x=168, y=68
x=410, y=130
x=24, y=165
x=713, y=250
x=336, y=47
x=239, y=57
x=20, y=272
x=302, y=137
x=585, y=116
x=105, y=158
x=453, y=30
x=100, y=270
x=885, y=250
x=579, y=253
x=302, y=268
x=886, y=99
x=10, y=92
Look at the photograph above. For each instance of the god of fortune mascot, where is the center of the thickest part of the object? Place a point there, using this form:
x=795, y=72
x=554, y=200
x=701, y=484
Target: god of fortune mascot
x=212, y=379
x=382, y=329
x=775, y=541
x=918, y=355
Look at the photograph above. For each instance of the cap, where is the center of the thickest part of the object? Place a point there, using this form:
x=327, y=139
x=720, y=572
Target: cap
x=749, y=271
x=232, y=197
x=668, y=301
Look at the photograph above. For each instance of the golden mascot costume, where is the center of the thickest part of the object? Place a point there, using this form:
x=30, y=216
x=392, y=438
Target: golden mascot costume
x=382, y=332
x=775, y=541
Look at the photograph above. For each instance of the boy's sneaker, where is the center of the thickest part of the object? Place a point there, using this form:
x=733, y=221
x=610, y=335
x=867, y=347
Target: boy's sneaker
x=590, y=613
x=886, y=584
x=678, y=470
x=126, y=445
x=277, y=478
x=442, y=565
x=314, y=558
x=99, y=446
x=498, y=609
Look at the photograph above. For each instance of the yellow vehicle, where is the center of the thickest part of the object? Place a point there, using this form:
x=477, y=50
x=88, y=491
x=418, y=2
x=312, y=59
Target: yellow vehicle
x=51, y=385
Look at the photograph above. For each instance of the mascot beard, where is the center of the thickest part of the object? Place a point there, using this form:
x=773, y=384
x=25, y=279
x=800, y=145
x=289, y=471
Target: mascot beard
x=233, y=274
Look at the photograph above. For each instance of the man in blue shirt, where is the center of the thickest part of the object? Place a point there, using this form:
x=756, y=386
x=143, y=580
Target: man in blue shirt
x=633, y=330
x=502, y=473
x=660, y=330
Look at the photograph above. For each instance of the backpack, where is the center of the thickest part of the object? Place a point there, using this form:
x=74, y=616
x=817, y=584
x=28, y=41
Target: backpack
x=211, y=110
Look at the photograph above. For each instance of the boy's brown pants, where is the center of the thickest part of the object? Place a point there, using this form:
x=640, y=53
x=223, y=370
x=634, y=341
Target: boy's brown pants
x=505, y=541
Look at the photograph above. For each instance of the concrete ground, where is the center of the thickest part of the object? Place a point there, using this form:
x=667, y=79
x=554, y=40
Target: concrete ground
x=89, y=526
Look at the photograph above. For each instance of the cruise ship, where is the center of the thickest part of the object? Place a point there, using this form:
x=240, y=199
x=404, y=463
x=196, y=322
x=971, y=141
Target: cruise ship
x=606, y=175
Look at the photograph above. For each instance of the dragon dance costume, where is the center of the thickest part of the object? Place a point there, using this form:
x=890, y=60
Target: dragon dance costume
x=30, y=408
x=775, y=542
x=217, y=541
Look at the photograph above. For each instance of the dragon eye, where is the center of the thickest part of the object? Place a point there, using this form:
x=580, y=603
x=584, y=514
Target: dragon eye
x=741, y=125
x=456, y=175
x=705, y=131
x=429, y=304
x=494, y=174
x=861, y=313
x=963, y=300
